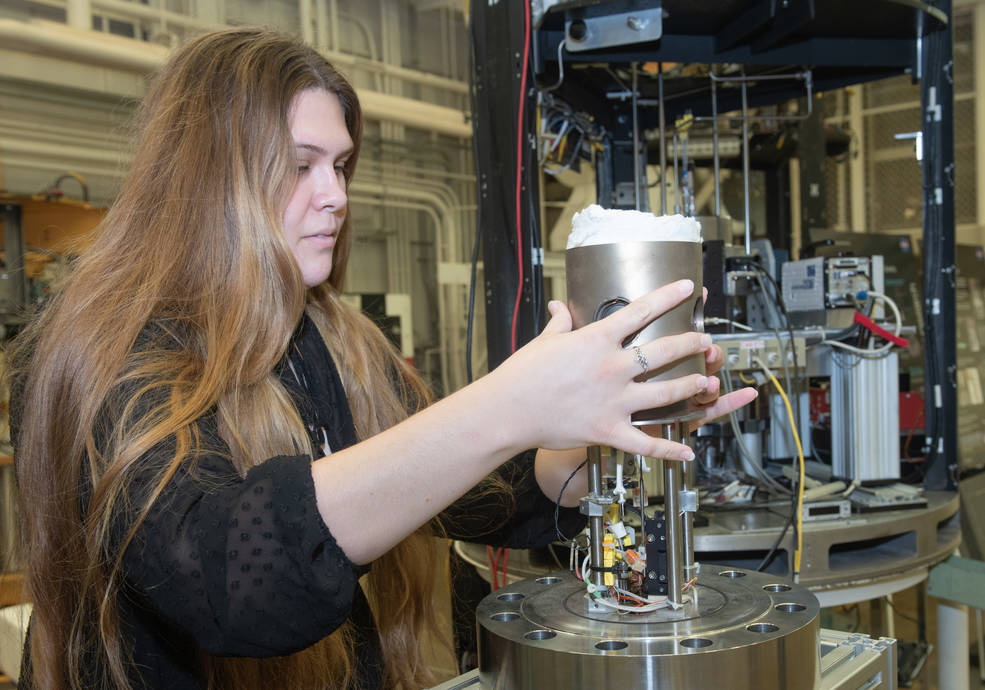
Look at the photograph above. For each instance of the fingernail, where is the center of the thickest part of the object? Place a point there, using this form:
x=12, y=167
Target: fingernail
x=702, y=383
x=686, y=287
x=552, y=307
x=705, y=340
x=687, y=455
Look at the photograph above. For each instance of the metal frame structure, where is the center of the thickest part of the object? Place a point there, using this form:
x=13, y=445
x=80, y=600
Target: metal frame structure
x=841, y=42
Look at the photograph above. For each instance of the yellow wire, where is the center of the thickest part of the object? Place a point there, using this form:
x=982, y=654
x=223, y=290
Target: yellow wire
x=746, y=381
x=800, y=483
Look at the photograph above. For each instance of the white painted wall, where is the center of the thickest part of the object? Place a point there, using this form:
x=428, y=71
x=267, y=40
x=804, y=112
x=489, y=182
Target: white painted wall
x=66, y=95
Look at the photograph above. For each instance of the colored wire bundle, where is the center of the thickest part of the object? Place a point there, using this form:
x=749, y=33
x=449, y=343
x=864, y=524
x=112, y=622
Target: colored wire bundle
x=801, y=478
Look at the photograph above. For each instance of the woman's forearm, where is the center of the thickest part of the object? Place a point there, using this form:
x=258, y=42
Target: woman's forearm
x=553, y=468
x=376, y=493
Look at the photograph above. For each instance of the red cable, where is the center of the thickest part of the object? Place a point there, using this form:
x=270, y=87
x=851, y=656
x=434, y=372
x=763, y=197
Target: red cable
x=493, y=567
x=506, y=558
x=519, y=171
x=880, y=331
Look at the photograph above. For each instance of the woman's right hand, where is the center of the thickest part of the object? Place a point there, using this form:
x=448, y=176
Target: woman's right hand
x=567, y=389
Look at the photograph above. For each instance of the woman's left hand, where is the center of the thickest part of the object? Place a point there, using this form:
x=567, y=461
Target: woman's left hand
x=710, y=399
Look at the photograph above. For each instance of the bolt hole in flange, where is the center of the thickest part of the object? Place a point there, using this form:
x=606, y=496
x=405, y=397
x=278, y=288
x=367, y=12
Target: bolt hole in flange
x=790, y=608
x=611, y=645
x=505, y=617
x=732, y=574
x=541, y=635
x=777, y=588
x=696, y=642
x=762, y=628
x=510, y=596
x=548, y=580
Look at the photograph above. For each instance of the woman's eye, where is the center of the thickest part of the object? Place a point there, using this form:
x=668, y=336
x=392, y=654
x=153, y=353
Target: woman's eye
x=303, y=168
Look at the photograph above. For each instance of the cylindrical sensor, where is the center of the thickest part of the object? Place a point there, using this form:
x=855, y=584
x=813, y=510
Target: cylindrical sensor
x=616, y=256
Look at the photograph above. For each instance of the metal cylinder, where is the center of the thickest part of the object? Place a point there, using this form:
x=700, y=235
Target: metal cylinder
x=752, y=437
x=745, y=164
x=748, y=632
x=605, y=277
x=672, y=518
x=596, y=527
x=689, y=568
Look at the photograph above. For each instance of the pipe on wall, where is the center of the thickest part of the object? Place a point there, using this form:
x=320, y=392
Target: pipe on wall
x=52, y=39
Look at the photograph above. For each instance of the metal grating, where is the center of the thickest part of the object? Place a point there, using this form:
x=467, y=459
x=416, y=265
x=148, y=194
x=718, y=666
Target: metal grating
x=965, y=175
x=893, y=176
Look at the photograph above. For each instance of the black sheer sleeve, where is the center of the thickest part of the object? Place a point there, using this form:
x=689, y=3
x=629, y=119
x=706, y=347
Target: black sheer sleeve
x=518, y=520
x=244, y=565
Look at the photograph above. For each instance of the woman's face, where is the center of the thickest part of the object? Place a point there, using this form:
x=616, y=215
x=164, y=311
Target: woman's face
x=316, y=209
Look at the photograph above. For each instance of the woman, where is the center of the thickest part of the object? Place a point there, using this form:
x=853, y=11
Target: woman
x=212, y=448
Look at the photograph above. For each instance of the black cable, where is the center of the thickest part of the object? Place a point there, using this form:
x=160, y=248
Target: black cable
x=768, y=558
x=777, y=299
x=537, y=263
x=478, y=199
x=557, y=506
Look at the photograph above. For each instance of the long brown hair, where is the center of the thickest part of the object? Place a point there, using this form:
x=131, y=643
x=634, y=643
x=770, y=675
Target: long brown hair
x=195, y=240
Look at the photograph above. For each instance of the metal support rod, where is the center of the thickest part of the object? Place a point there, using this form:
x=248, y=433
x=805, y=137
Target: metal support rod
x=980, y=634
x=78, y=13
x=763, y=77
x=953, y=670
x=745, y=164
x=637, y=190
x=15, y=299
x=663, y=141
x=672, y=510
x=687, y=523
x=688, y=192
x=714, y=148
x=595, y=523
x=677, y=179
x=807, y=77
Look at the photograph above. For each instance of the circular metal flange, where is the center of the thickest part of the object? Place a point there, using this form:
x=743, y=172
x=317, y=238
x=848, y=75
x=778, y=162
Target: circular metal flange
x=741, y=629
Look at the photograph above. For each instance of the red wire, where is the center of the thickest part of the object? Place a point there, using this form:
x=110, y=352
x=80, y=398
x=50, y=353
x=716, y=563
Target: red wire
x=519, y=171
x=493, y=567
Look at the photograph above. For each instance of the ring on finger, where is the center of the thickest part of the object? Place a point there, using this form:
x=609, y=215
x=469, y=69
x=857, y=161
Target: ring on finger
x=641, y=358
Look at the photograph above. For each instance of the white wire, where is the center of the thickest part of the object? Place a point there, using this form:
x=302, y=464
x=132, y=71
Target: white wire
x=892, y=305
x=744, y=451
x=857, y=350
x=560, y=66
x=631, y=609
x=620, y=487
x=714, y=320
x=879, y=350
x=637, y=597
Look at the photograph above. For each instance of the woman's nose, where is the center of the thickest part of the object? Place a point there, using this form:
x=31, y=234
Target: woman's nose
x=331, y=193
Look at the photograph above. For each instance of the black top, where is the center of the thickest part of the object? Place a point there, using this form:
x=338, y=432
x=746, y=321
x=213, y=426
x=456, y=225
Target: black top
x=245, y=566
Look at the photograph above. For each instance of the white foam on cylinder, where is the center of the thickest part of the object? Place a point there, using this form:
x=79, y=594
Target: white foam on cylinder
x=597, y=225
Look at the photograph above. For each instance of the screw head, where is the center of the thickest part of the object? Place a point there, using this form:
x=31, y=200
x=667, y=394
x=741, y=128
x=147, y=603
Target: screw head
x=577, y=30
